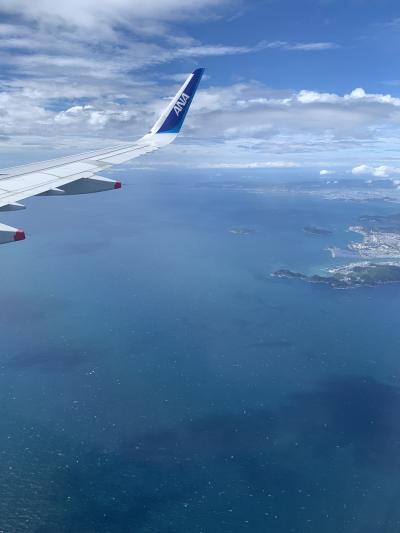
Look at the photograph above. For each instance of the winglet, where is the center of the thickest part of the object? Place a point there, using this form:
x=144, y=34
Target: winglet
x=172, y=119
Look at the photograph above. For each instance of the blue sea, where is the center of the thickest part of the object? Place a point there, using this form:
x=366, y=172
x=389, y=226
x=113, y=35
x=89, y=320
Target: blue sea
x=154, y=377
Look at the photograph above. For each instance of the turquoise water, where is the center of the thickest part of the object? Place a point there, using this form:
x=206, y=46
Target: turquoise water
x=155, y=378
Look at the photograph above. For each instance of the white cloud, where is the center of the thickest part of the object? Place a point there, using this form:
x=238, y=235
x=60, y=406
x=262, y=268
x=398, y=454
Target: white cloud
x=361, y=170
x=312, y=97
x=319, y=119
x=325, y=172
x=98, y=14
x=300, y=47
x=89, y=115
x=357, y=95
x=254, y=165
x=312, y=47
x=382, y=171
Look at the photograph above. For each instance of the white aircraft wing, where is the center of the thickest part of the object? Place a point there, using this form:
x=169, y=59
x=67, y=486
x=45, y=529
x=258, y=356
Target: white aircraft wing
x=77, y=174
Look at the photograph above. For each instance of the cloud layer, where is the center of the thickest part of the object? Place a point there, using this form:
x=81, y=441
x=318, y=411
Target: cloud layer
x=95, y=14
x=80, y=78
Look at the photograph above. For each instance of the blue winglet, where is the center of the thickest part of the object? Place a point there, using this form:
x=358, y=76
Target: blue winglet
x=179, y=107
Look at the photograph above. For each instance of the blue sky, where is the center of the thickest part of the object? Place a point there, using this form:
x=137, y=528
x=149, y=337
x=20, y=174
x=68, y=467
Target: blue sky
x=304, y=86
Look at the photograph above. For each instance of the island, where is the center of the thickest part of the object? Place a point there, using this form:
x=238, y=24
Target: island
x=353, y=275
x=314, y=230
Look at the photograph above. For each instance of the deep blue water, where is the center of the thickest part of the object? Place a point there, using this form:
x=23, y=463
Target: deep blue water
x=155, y=378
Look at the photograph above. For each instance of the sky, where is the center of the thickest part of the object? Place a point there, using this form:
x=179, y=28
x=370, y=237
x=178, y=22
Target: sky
x=310, y=87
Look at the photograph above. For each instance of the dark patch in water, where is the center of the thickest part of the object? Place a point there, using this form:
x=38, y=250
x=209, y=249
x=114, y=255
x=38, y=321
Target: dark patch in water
x=357, y=413
x=18, y=308
x=49, y=360
x=83, y=248
x=212, y=436
x=361, y=414
x=205, y=474
x=122, y=497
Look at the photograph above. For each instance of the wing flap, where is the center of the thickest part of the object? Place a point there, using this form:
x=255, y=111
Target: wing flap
x=37, y=183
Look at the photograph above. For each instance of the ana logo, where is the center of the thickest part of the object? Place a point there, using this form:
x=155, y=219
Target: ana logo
x=180, y=104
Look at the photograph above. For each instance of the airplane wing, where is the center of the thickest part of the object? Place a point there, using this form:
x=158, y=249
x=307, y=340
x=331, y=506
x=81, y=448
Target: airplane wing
x=78, y=174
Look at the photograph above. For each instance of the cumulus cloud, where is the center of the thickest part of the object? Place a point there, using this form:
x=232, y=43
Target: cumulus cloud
x=325, y=172
x=382, y=171
x=88, y=114
x=357, y=95
x=308, y=125
x=322, y=119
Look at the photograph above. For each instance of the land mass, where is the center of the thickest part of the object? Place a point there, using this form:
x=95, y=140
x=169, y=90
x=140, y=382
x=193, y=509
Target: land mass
x=381, y=238
x=378, y=243
x=353, y=275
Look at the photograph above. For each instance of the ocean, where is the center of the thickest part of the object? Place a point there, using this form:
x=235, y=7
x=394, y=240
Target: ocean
x=154, y=377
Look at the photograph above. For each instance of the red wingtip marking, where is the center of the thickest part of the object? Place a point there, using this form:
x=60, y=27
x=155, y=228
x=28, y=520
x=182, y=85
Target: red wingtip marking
x=117, y=185
x=19, y=235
